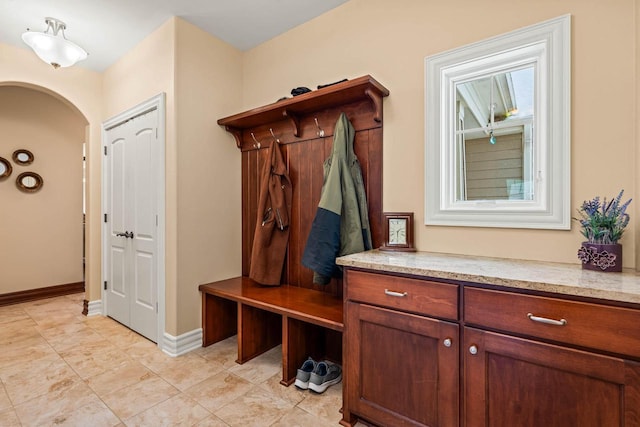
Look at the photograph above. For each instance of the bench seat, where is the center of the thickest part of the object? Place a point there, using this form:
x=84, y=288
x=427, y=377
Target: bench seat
x=306, y=322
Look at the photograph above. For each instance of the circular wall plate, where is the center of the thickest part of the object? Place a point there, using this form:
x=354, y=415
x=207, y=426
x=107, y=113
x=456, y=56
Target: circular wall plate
x=23, y=157
x=5, y=168
x=29, y=182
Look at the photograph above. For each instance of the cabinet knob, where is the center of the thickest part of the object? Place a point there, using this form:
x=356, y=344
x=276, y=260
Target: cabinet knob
x=473, y=349
x=447, y=342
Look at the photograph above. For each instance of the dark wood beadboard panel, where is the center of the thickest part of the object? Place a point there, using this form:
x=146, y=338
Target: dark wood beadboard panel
x=305, y=155
x=41, y=293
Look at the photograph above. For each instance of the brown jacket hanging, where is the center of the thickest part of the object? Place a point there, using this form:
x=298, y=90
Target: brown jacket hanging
x=272, y=226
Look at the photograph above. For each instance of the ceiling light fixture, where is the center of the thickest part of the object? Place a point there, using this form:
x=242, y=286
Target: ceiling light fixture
x=54, y=48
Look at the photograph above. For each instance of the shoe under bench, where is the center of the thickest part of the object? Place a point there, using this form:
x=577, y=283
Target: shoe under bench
x=305, y=321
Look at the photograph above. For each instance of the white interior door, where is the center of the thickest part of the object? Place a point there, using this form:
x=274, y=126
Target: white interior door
x=131, y=270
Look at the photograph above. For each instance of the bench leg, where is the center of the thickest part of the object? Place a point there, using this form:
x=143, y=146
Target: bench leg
x=258, y=331
x=218, y=319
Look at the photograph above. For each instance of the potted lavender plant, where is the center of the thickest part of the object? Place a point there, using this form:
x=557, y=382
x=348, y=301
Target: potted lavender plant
x=602, y=226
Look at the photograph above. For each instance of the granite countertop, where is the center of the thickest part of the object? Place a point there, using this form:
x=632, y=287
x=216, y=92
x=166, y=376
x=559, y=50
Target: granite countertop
x=567, y=279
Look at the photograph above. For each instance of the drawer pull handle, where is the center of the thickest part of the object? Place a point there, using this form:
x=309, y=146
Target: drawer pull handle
x=447, y=342
x=544, y=320
x=395, y=294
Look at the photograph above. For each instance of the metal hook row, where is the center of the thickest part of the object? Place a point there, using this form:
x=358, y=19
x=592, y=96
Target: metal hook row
x=257, y=144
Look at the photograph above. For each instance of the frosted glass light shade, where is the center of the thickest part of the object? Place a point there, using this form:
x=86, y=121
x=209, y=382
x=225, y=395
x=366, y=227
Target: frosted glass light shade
x=54, y=49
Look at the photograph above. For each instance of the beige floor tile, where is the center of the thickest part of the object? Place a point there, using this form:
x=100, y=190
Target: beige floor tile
x=91, y=359
x=179, y=410
x=224, y=352
x=85, y=336
x=8, y=418
x=124, y=375
x=290, y=394
x=17, y=331
x=139, y=397
x=12, y=313
x=155, y=359
x=261, y=368
x=257, y=407
x=25, y=351
x=187, y=370
x=218, y=390
x=94, y=414
x=59, y=403
x=44, y=376
x=99, y=323
x=300, y=418
x=211, y=421
x=326, y=405
x=5, y=402
x=122, y=337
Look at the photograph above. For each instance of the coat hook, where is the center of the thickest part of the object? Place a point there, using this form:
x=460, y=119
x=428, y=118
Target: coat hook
x=320, y=130
x=257, y=143
x=274, y=137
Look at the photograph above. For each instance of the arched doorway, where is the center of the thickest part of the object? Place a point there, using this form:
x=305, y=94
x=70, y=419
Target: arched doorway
x=43, y=230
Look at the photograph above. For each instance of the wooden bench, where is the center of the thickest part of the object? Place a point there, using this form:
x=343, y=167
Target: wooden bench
x=306, y=322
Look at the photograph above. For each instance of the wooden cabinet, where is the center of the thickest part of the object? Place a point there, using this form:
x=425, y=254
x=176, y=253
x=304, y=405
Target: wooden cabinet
x=511, y=381
x=401, y=369
x=509, y=359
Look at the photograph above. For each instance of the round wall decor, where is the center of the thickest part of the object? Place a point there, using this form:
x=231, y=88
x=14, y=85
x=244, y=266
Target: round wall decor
x=5, y=168
x=29, y=182
x=23, y=157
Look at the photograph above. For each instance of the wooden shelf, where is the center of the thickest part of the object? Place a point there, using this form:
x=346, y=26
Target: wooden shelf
x=358, y=89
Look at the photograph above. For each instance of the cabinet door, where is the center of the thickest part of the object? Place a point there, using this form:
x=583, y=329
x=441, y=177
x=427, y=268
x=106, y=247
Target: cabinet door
x=401, y=369
x=511, y=381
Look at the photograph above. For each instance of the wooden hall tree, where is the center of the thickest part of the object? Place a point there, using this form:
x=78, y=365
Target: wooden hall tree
x=306, y=318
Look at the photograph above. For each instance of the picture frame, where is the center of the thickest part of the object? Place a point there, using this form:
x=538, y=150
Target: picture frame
x=398, y=232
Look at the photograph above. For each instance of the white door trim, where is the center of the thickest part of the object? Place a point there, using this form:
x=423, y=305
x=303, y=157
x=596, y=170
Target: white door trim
x=157, y=102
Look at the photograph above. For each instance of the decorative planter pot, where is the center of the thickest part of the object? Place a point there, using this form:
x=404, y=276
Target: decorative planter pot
x=599, y=257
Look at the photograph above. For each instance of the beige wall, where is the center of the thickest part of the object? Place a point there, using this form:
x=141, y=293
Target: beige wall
x=42, y=229
x=145, y=71
x=201, y=77
x=81, y=90
x=208, y=86
x=390, y=41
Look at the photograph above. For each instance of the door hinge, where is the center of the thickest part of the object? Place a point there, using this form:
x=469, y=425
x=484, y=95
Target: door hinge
x=156, y=306
x=156, y=133
x=105, y=150
x=156, y=220
x=105, y=285
x=105, y=217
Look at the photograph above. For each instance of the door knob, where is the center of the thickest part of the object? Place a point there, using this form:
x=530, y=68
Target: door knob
x=126, y=234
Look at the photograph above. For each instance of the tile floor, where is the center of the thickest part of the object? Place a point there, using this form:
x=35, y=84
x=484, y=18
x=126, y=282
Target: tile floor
x=58, y=367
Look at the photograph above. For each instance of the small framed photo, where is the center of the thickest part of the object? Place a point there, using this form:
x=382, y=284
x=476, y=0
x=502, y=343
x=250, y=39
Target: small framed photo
x=398, y=231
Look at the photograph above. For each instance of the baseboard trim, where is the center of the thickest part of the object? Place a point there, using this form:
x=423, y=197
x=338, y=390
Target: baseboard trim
x=176, y=346
x=41, y=293
x=91, y=308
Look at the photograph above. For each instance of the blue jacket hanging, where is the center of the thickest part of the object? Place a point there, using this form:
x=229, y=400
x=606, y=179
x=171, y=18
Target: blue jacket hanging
x=341, y=225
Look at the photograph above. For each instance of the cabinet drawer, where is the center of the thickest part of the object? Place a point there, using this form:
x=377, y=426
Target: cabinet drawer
x=411, y=295
x=607, y=328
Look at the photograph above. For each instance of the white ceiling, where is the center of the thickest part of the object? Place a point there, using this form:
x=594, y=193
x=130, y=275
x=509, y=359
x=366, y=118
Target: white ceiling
x=109, y=28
